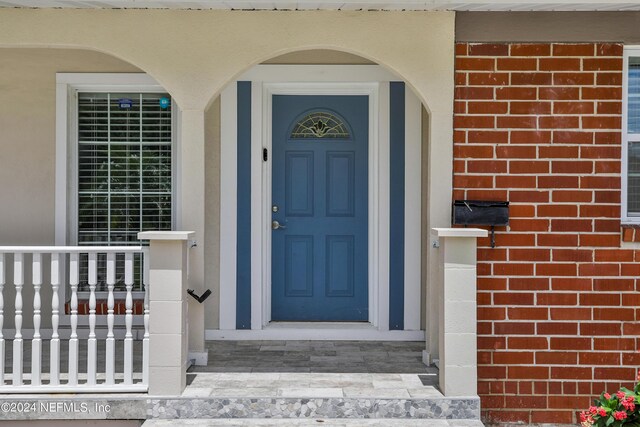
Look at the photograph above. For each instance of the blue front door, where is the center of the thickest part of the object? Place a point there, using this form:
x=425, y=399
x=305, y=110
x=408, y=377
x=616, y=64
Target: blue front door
x=320, y=202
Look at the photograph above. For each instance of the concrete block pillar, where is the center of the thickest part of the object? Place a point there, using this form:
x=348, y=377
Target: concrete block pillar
x=168, y=313
x=457, y=307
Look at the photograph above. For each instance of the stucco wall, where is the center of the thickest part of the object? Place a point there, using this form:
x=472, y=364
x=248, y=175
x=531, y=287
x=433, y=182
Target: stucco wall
x=27, y=140
x=194, y=54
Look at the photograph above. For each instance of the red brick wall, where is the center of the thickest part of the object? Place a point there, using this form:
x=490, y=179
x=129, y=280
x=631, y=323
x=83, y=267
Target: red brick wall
x=539, y=125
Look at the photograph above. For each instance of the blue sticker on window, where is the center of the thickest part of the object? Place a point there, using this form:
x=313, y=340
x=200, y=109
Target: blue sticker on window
x=164, y=103
x=125, y=103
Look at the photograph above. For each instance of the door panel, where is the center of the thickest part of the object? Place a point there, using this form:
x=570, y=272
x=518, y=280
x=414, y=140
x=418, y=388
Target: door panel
x=299, y=182
x=299, y=274
x=340, y=183
x=320, y=198
x=339, y=278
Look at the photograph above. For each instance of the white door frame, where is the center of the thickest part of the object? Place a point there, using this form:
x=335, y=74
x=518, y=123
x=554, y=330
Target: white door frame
x=268, y=80
x=376, y=287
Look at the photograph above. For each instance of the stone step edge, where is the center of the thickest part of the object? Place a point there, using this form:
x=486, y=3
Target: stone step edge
x=202, y=422
x=338, y=408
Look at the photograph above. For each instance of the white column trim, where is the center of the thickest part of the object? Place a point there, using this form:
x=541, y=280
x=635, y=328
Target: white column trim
x=62, y=122
x=256, y=206
x=412, y=210
x=383, y=187
x=228, y=204
x=265, y=131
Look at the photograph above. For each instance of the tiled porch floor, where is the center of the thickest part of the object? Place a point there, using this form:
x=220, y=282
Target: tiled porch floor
x=372, y=357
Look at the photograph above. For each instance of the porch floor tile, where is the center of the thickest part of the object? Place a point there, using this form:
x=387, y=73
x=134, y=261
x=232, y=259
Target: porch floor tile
x=307, y=385
x=380, y=357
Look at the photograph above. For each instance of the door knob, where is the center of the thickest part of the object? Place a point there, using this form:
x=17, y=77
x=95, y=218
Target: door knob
x=275, y=225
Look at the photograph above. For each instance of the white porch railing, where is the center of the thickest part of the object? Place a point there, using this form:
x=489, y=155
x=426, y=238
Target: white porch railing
x=66, y=263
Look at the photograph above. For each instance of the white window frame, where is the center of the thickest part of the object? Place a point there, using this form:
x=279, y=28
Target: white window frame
x=66, y=178
x=629, y=51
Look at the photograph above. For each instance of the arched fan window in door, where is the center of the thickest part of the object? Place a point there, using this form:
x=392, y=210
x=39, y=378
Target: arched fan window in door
x=320, y=124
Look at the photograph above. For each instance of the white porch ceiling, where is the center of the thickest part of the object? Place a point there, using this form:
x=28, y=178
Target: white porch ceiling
x=468, y=5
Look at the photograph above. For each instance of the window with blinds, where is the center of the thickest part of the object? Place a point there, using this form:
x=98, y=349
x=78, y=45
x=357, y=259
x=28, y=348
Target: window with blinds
x=633, y=137
x=124, y=168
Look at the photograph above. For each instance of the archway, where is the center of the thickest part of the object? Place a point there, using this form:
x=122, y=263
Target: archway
x=265, y=76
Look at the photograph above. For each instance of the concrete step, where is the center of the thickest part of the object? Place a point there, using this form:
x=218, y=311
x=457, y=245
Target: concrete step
x=298, y=407
x=313, y=396
x=315, y=422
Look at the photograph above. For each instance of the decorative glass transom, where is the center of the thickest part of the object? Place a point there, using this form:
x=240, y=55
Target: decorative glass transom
x=320, y=124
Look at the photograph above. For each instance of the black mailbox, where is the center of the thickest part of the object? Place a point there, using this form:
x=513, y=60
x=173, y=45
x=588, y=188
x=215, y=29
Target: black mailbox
x=477, y=212
x=481, y=212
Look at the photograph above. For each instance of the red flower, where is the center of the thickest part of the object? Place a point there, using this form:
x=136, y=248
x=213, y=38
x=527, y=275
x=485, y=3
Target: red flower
x=629, y=403
x=620, y=415
x=593, y=409
x=583, y=416
x=638, y=377
x=607, y=396
x=620, y=394
x=602, y=411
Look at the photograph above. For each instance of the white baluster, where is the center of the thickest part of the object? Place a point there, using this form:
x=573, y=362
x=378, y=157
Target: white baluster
x=145, y=339
x=54, y=347
x=110, y=355
x=1, y=319
x=92, y=343
x=128, y=318
x=36, y=342
x=18, y=280
x=74, y=279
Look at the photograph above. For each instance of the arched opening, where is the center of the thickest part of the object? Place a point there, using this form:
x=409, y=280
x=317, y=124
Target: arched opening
x=224, y=316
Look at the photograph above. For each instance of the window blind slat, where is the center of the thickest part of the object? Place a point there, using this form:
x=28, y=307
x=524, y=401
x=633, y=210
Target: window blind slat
x=633, y=179
x=633, y=100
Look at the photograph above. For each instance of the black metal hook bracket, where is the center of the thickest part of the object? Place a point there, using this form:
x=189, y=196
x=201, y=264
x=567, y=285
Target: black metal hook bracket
x=200, y=298
x=493, y=236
